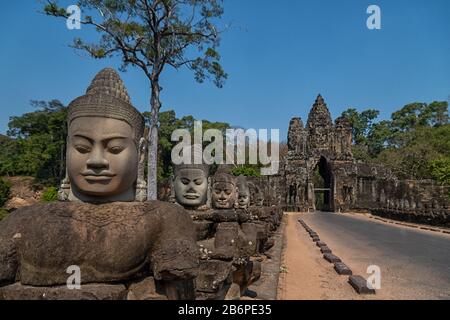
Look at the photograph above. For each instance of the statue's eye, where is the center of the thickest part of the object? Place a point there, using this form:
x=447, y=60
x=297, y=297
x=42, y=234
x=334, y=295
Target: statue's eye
x=228, y=192
x=198, y=181
x=185, y=181
x=82, y=148
x=116, y=149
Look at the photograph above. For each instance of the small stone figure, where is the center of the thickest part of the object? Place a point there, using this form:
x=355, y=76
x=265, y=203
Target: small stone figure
x=243, y=193
x=224, y=191
x=190, y=183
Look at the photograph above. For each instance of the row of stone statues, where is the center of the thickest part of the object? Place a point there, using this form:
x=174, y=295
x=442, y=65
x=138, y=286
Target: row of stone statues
x=118, y=245
x=232, y=234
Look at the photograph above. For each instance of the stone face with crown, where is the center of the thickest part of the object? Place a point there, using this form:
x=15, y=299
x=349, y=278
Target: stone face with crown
x=104, y=230
x=224, y=191
x=243, y=193
x=105, y=145
x=191, y=183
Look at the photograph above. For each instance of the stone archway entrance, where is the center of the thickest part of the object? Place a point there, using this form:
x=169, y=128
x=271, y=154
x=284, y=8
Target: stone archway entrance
x=322, y=181
x=316, y=153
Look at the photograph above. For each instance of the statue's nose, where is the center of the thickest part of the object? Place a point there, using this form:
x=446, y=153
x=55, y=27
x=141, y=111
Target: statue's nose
x=97, y=159
x=191, y=188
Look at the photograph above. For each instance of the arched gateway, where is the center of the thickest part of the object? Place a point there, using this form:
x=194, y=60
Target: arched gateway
x=320, y=173
x=317, y=153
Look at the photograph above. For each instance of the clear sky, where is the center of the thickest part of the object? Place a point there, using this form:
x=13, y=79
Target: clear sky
x=279, y=56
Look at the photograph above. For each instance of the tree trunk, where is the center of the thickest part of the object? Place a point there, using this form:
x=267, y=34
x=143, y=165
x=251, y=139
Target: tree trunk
x=152, y=178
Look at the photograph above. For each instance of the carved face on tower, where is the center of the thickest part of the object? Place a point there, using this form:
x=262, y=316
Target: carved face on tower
x=224, y=191
x=319, y=125
x=103, y=142
x=191, y=185
x=243, y=193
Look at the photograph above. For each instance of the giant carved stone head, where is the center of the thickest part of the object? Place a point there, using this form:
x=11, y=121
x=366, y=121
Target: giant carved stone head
x=103, y=142
x=224, y=191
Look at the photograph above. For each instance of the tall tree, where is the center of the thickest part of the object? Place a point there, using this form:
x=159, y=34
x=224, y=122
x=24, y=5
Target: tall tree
x=436, y=113
x=361, y=122
x=151, y=35
x=168, y=123
x=378, y=137
x=36, y=143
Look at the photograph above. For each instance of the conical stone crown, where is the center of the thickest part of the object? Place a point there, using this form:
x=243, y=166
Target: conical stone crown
x=107, y=97
x=108, y=82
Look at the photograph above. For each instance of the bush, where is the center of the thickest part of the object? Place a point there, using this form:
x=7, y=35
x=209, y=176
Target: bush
x=440, y=170
x=5, y=188
x=246, y=171
x=50, y=194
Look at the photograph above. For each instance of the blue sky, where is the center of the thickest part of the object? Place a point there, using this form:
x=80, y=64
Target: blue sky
x=279, y=56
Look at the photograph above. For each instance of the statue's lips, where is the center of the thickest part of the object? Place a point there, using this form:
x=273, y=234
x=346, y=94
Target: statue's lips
x=191, y=196
x=98, y=177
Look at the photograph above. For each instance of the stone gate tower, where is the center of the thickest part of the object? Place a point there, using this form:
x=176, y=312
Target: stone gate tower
x=323, y=145
x=320, y=172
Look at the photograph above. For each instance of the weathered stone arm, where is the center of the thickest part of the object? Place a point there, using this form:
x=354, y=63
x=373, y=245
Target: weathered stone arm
x=175, y=255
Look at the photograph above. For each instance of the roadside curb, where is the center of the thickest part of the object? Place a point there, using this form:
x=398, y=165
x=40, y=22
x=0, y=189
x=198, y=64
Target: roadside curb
x=405, y=224
x=360, y=285
x=357, y=282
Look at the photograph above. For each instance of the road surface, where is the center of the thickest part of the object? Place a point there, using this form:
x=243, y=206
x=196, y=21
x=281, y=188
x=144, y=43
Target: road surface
x=415, y=264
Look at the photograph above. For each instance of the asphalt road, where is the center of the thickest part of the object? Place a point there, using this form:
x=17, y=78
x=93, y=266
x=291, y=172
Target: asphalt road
x=415, y=264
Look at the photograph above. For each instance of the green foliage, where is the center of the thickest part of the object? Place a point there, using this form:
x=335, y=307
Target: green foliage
x=53, y=9
x=414, y=144
x=168, y=122
x=35, y=144
x=361, y=153
x=246, y=170
x=361, y=123
x=318, y=180
x=5, y=188
x=377, y=138
x=50, y=194
x=419, y=149
x=440, y=170
x=420, y=114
